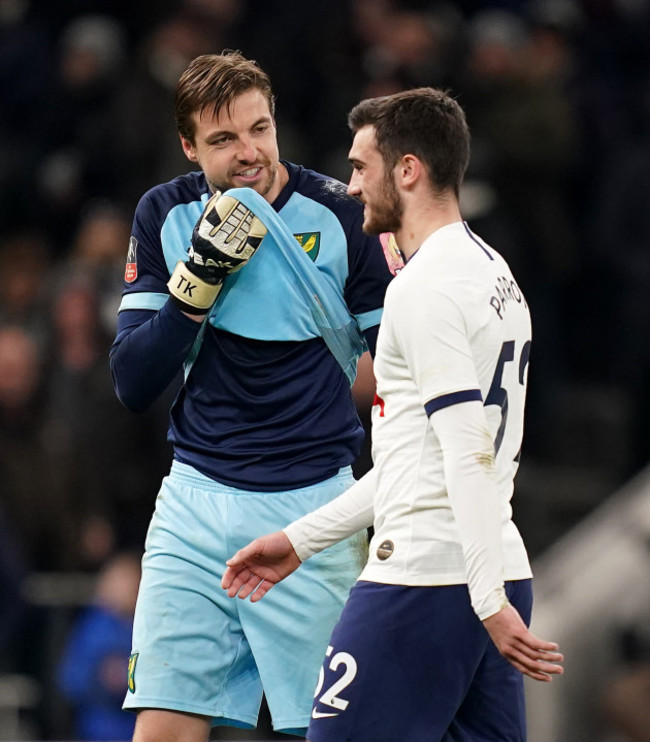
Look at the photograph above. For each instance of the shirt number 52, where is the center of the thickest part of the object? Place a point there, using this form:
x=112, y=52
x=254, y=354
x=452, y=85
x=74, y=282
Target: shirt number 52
x=498, y=394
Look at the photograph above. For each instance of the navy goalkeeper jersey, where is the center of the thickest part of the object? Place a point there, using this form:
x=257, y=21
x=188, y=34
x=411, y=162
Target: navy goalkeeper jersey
x=265, y=406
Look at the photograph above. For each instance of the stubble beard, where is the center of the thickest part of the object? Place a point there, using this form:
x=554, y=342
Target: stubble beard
x=386, y=214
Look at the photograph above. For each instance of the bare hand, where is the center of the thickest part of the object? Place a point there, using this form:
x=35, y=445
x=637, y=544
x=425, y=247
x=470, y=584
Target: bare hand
x=254, y=569
x=533, y=657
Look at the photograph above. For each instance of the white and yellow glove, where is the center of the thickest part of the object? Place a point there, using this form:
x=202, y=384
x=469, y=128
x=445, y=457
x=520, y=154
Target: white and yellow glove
x=224, y=239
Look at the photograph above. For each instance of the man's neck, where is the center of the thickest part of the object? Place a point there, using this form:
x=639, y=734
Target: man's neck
x=421, y=220
x=281, y=179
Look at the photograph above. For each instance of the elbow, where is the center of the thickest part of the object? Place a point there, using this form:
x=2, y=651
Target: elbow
x=131, y=402
x=129, y=397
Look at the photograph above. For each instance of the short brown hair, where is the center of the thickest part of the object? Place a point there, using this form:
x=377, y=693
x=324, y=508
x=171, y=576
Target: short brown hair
x=214, y=81
x=425, y=122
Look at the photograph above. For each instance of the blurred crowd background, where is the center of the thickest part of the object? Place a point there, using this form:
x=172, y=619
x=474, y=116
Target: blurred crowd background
x=557, y=94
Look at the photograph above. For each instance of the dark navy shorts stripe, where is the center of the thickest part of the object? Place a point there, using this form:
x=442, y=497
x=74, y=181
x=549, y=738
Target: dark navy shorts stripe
x=447, y=400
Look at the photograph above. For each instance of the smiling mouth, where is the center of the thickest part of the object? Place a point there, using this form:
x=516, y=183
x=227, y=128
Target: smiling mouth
x=249, y=174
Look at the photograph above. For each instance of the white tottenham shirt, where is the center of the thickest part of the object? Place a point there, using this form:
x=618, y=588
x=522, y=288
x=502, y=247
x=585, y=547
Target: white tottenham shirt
x=451, y=368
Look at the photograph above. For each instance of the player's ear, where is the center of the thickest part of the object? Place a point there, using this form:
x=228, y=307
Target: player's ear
x=188, y=149
x=409, y=170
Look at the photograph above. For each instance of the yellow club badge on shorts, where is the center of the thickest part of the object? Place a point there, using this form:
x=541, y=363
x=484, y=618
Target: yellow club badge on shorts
x=131, y=676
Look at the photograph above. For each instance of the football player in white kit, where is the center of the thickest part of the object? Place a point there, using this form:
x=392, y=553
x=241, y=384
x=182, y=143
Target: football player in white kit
x=433, y=642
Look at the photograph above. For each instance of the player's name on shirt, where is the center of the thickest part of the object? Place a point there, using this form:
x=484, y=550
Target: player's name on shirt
x=506, y=291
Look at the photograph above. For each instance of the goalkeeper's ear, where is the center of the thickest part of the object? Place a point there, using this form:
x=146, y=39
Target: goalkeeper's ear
x=188, y=149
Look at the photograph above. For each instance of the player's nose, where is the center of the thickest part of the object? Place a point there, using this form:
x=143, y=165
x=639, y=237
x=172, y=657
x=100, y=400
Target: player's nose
x=247, y=151
x=353, y=186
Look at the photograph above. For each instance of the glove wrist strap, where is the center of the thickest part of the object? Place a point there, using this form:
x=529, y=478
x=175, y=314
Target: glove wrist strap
x=192, y=291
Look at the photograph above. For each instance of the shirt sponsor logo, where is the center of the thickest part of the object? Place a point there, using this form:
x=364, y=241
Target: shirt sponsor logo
x=385, y=549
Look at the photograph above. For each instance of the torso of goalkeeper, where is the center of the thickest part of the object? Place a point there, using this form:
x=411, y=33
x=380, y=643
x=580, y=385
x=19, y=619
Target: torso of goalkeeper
x=265, y=406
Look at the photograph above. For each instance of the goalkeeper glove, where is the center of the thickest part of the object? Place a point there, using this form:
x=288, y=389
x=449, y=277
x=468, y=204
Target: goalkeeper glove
x=224, y=239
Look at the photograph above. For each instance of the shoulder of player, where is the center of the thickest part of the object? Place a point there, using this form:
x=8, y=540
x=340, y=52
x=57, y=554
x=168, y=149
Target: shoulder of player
x=183, y=189
x=454, y=251
x=416, y=295
x=469, y=273
x=443, y=266
x=159, y=206
x=324, y=189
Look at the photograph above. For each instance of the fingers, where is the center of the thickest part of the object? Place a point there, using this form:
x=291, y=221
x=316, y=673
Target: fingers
x=232, y=573
x=232, y=580
x=238, y=562
x=542, y=671
x=539, y=644
x=537, y=664
x=245, y=582
x=254, y=586
x=238, y=559
x=532, y=672
x=253, y=570
x=241, y=581
x=263, y=588
x=236, y=575
x=536, y=649
x=248, y=585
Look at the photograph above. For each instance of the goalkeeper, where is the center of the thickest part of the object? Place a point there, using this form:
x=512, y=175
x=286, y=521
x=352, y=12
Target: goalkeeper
x=264, y=428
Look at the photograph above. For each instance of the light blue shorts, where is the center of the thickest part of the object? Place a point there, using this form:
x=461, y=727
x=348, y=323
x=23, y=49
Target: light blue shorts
x=199, y=651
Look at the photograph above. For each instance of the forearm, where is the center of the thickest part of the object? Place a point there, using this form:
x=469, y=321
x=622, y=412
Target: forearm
x=468, y=452
x=345, y=515
x=148, y=355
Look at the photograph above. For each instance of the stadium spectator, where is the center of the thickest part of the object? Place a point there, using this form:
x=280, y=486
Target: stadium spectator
x=98, y=446
x=73, y=133
x=34, y=498
x=26, y=265
x=92, y=671
x=147, y=150
x=13, y=607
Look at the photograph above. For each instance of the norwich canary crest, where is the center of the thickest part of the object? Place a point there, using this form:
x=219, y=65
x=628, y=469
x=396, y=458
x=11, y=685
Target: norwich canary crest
x=310, y=243
x=131, y=675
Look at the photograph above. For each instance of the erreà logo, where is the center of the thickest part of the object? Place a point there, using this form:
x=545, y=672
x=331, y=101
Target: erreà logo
x=310, y=243
x=131, y=271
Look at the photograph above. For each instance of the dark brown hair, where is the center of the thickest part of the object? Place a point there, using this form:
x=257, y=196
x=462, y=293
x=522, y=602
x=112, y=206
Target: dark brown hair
x=425, y=122
x=213, y=81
